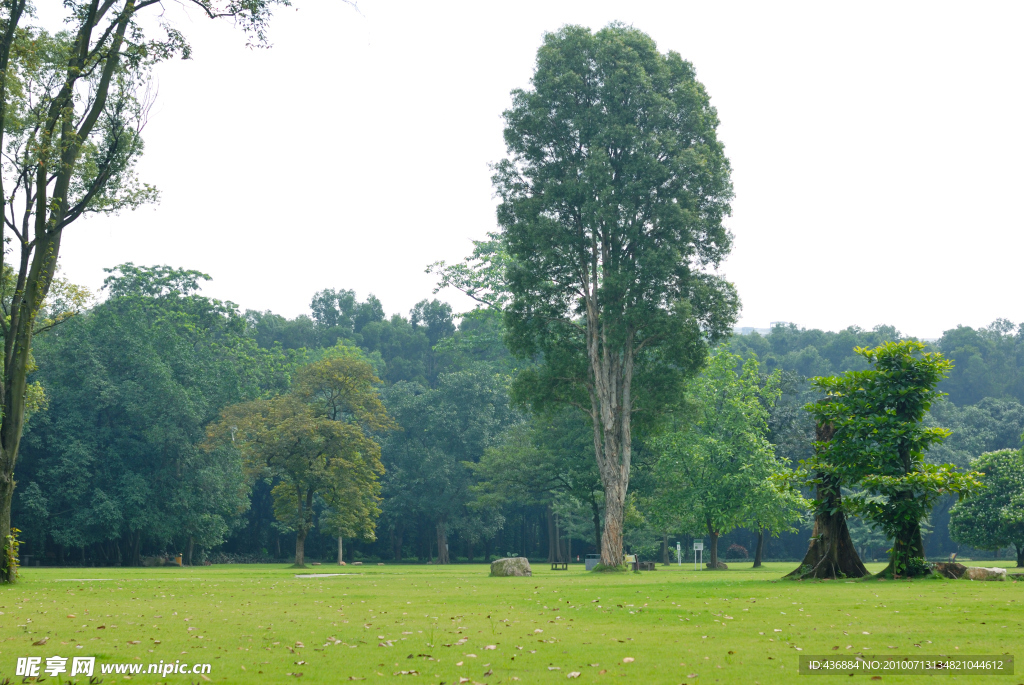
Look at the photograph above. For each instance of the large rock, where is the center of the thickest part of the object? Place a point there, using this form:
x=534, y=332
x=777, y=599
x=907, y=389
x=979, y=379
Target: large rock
x=949, y=569
x=722, y=566
x=513, y=566
x=982, y=573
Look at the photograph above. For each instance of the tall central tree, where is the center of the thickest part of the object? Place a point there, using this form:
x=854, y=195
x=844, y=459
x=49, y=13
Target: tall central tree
x=612, y=201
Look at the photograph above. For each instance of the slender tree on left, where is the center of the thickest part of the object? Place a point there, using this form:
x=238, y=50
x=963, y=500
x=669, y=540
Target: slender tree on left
x=72, y=107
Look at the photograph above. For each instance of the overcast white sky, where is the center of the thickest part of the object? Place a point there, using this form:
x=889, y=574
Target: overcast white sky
x=876, y=150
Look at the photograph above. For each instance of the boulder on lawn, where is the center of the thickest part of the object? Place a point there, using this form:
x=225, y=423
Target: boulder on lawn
x=512, y=566
x=982, y=573
x=722, y=566
x=949, y=569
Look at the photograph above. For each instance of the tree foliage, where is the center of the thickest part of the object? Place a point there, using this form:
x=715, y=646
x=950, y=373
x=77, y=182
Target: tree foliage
x=995, y=518
x=718, y=470
x=319, y=440
x=72, y=108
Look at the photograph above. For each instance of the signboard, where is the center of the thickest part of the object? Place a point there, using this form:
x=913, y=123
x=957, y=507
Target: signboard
x=698, y=546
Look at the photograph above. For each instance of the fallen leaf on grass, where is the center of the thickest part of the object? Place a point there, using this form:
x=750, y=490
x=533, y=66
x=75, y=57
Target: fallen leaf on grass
x=573, y=674
x=491, y=647
x=352, y=677
x=458, y=663
x=691, y=675
x=71, y=615
x=40, y=643
x=602, y=671
x=297, y=663
x=405, y=673
x=489, y=672
x=628, y=660
x=297, y=675
x=554, y=668
x=463, y=680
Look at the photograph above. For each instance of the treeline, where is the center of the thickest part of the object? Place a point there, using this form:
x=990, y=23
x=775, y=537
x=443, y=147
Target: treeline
x=115, y=468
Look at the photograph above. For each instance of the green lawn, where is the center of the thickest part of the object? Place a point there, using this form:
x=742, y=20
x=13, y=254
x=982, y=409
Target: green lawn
x=261, y=624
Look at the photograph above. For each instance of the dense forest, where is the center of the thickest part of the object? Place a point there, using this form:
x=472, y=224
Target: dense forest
x=116, y=466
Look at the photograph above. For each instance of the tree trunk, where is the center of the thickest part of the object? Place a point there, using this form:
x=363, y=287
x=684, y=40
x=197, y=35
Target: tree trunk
x=664, y=550
x=597, y=524
x=398, y=533
x=487, y=551
x=614, y=508
x=1020, y=554
x=552, y=534
x=907, y=546
x=442, y=542
x=341, y=551
x=136, y=544
x=611, y=408
x=831, y=553
x=277, y=547
x=713, y=548
x=300, y=547
x=760, y=548
x=188, y=553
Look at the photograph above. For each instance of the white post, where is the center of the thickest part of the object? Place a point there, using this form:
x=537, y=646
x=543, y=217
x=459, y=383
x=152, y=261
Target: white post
x=698, y=546
x=679, y=553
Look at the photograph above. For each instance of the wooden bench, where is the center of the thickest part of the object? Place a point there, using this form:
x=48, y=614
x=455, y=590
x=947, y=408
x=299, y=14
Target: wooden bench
x=559, y=565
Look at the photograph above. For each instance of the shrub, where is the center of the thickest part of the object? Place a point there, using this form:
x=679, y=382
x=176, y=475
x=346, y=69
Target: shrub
x=736, y=552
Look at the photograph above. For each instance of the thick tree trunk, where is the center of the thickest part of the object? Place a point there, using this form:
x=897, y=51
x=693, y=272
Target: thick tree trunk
x=611, y=408
x=713, y=549
x=1020, y=554
x=611, y=538
x=442, y=542
x=760, y=548
x=188, y=553
x=300, y=547
x=341, y=551
x=907, y=546
x=831, y=553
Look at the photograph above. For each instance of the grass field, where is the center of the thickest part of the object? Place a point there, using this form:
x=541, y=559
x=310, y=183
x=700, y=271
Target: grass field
x=262, y=624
